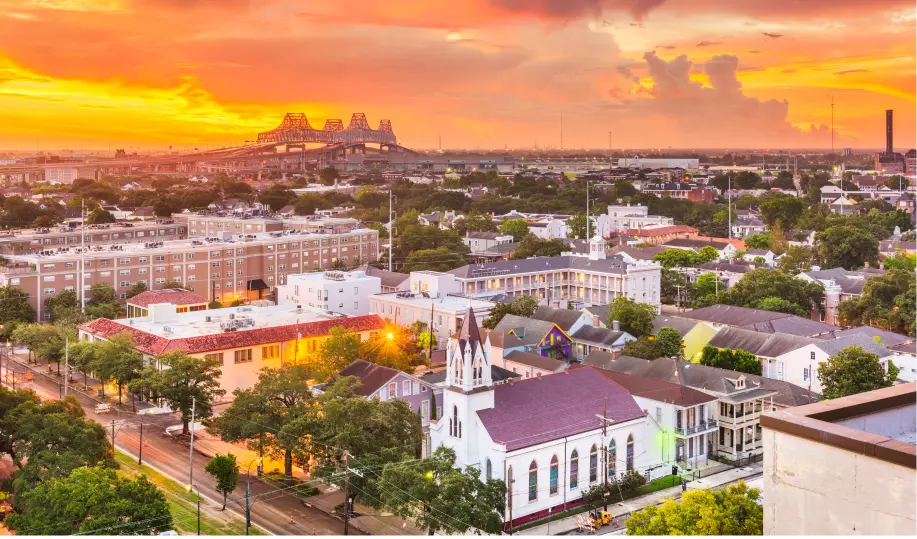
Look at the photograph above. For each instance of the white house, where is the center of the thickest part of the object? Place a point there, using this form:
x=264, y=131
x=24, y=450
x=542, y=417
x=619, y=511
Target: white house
x=550, y=437
x=802, y=367
x=766, y=254
x=335, y=291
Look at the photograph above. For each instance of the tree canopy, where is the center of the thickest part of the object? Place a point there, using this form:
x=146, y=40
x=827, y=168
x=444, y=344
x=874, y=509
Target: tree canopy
x=521, y=306
x=733, y=510
x=734, y=360
x=635, y=318
x=887, y=302
x=224, y=469
x=847, y=247
x=852, y=371
x=518, y=228
x=763, y=283
x=185, y=380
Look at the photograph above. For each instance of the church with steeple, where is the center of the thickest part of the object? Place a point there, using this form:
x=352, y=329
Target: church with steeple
x=551, y=437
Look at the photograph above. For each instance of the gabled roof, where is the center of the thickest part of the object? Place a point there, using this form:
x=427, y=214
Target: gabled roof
x=497, y=374
x=564, y=318
x=888, y=338
x=537, y=361
x=541, y=409
x=371, y=376
x=615, y=265
x=528, y=330
x=469, y=335
x=484, y=235
x=703, y=378
x=390, y=279
x=761, y=344
x=601, y=311
x=682, y=325
x=759, y=320
x=833, y=346
x=657, y=390
x=640, y=253
x=174, y=296
x=696, y=243
x=597, y=336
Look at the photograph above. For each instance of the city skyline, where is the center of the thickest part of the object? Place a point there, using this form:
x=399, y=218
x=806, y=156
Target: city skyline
x=477, y=73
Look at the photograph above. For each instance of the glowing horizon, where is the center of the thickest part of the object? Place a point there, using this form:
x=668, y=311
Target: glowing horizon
x=684, y=74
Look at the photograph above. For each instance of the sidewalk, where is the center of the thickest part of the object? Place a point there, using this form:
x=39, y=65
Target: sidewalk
x=626, y=507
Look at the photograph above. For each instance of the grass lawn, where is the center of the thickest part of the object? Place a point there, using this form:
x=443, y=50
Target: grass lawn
x=659, y=484
x=183, y=504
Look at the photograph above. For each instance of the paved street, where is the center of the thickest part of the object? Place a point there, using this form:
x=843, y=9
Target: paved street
x=272, y=507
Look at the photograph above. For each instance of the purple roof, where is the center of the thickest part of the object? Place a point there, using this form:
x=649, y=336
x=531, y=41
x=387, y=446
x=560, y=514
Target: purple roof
x=537, y=410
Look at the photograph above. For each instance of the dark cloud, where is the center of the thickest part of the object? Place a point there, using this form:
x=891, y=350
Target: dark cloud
x=709, y=43
x=768, y=34
x=753, y=52
x=666, y=47
x=849, y=71
x=572, y=9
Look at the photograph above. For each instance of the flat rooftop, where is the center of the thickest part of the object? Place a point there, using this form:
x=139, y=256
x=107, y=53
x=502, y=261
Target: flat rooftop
x=456, y=304
x=108, y=227
x=224, y=240
x=195, y=323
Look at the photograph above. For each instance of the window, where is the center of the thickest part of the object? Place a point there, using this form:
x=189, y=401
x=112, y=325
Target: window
x=805, y=374
x=658, y=415
x=612, y=458
x=630, y=452
x=415, y=388
x=425, y=410
x=218, y=357
x=593, y=464
x=489, y=471
x=405, y=388
x=455, y=426
x=243, y=356
x=393, y=390
x=271, y=351
x=533, y=481
x=574, y=469
x=812, y=356
x=552, y=485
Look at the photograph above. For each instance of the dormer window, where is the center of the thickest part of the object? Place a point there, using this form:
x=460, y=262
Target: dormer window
x=740, y=383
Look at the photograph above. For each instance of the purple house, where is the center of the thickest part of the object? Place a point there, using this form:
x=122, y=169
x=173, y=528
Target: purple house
x=384, y=383
x=535, y=336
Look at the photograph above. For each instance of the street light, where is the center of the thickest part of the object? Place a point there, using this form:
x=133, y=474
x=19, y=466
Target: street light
x=190, y=489
x=248, y=495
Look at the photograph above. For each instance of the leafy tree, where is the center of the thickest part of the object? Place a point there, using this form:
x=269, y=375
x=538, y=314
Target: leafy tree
x=643, y=348
x=780, y=305
x=103, y=302
x=224, y=469
x=307, y=204
x=668, y=342
x=474, y=222
x=521, y=306
x=577, y=226
x=902, y=260
x=52, y=439
x=374, y=432
x=852, y=371
x=734, y=360
x=847, y=247
x=887, y=302
x=708, y=284
x=64, y=306
x=796, y=260
x=120, y=361
x=635, y=318
x=758, y=241
x=733, y=510
x=83, y=356
x=784, y=208
x=439, y=259
x=673, y=284
x=9, y=402
x=450, y=500
x=413, y=238
x=15, y=306
x=186, y=378
x=532, y=246
x=518, y=228
x=92, y=500
x=707, y=254
x=676, y=258
x=138, y=288
x=276, y=197
x=266, y=415
x=329, y=175
x=338, y=350
x=765, y=283
x=778, y=241
x=100, y=216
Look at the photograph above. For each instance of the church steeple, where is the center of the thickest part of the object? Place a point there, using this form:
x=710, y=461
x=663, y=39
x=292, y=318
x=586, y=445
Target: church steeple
x=467, y=358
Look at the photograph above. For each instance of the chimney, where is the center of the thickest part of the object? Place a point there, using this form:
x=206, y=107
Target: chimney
x=615, y=353
x=889, y=146
x=615, y=325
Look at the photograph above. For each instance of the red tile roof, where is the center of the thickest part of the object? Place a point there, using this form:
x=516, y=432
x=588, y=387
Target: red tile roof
x=537, y=410
x=173, y=296
x=149, y=343
x=661, y=231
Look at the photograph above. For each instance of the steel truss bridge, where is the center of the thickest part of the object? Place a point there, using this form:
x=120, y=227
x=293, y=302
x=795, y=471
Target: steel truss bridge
x=295, y=129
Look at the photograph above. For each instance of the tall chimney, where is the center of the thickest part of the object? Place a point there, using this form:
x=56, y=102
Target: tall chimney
x=889, y=147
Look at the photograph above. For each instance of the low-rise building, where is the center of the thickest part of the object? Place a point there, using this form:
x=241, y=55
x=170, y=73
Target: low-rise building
x=724, y=249
x=35, y=240
x=537, y=336
x=480, y=242
x=840, y=285
x=345, y=292
x=661, y=234
x=842, y=467
x=391, y=281
x=184, y=301
x=620, y=218
x=242, y=339
x=529, y=364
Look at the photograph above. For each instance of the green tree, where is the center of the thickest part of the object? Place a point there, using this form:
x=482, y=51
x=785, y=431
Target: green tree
x=532, y=246
x=643, y=348
x=119, y=361
x=758, y=241
x=635, y=318
x=138, y=288
x=707, y=254
x=887, y=302
x=765, y=283
x=734, y=360
x=784, y=208
x=274, y=416
x=100, y=216
x=276, y=197
x=15, y=306
x=902, y=260
x=9, y=402
x=64, y=306
x=329, y=175
x=440, y=498
x=372, y=431
x=577, y=226
x=852, y=371
x=778, y=241
x=224, y=469
x=733, y=510
x=780, y=305
x=796, y=260
x=847, y=247
x=675, y=287
x=83, y=356
x=676, y=258
x=517, y=228
x=521, y=306
x=439, y=259
x=103, y=302
x=708, y=284
x=91, y=501
x=668, y=342
x=339, y=349
x=474, y=221
x=307, y=204
x=185, y=379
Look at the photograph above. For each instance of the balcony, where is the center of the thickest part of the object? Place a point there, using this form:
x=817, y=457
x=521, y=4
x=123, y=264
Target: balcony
x=738, y=419
x=702, y=426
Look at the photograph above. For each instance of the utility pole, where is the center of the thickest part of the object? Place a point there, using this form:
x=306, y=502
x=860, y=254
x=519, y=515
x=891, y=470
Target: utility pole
x=346, y=492
x=191, y=451
x=82, y=279
x=391, y=226
x=561, y=131
x=832, y=129
x=605, y=449
x=430, y=345
x=587, y=210
x=66, y=366
x=509, y=495
x=140, y=454
x=729, y=206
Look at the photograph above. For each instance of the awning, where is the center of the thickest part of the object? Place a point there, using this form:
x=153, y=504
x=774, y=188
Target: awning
x=257, y=284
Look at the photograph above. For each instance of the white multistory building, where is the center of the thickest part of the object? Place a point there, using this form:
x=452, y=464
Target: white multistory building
x=621, y=218
x=345, y=292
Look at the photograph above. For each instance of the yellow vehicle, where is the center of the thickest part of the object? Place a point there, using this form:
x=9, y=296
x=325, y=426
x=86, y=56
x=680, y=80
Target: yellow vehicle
x=600, y=518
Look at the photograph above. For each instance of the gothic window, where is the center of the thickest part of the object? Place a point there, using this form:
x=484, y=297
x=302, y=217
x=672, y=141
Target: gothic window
x=455, y=426
x=554, y=468
x=533, y=481
x=630, y=452
x=612, y=458
x=593, y=464
x=489, y=470
x=574, y=469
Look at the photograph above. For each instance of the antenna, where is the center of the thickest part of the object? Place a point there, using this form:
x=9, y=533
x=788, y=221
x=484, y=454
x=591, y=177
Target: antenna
x=832, y=127
x=561, y=131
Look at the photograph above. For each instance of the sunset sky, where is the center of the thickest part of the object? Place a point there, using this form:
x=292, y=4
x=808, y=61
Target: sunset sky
x=486, y=73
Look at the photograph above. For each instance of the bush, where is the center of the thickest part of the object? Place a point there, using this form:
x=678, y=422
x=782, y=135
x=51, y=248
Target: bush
x=306, y=490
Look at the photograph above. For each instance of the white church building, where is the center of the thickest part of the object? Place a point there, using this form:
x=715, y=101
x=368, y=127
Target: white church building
x=551, y=438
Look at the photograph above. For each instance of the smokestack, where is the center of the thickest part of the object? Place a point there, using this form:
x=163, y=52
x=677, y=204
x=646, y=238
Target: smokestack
x=889, y=146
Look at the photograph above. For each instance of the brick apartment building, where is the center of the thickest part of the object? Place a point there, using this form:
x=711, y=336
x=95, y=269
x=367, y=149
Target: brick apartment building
x=206, y=224
x=225, y=268
x=34, y=240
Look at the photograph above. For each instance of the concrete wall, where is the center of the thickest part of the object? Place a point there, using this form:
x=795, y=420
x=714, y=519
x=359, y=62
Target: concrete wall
x=816, y=489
